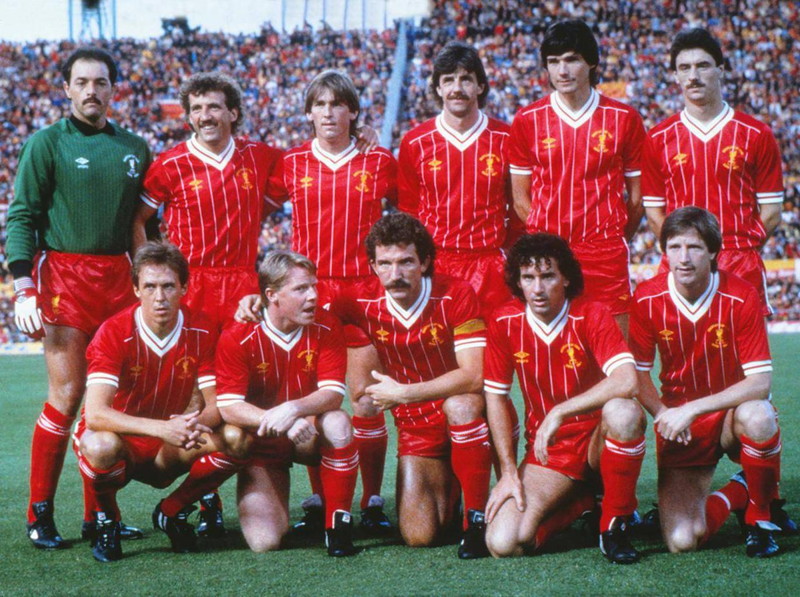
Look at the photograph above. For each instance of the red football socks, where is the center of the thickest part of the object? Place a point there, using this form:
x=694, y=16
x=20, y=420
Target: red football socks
x=371, y=437
x=620, y=463
x=761, y=462
x=49, y=446
x=207, y=473
x=471, y=459
x=100, y=486
x=338, y=472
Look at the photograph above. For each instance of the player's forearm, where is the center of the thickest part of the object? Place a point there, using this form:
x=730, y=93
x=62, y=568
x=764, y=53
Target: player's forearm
x=452, y=383
x=770, y=215
x=102, y=418
x=752, y=387
x=655, y=219
x=139, y=226
x=209, y=413
x=621, y=383
x=521, y=194
x=502, y=431
x=648, y=394
x=317, y=403
x=242, y=414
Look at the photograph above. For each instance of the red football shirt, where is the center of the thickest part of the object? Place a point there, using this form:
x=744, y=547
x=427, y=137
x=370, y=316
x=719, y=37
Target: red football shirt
x=214, y=204
x=457, y=184
x=335, y=201
x=553, y=362
x=577, y=162
x=154, y=377
x=729, y=166
x=704, y=346
x=259, y=364
x=418, y=344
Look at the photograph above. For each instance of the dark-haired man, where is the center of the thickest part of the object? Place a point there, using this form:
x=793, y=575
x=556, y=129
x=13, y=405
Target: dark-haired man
x=143, y=366
x=430, y=338
x=578, y=381
x=717, y=158
x=715, y=377
x=74, y=198
x=572, y=155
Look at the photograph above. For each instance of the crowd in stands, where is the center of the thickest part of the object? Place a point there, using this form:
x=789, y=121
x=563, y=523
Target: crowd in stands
x=761, y=40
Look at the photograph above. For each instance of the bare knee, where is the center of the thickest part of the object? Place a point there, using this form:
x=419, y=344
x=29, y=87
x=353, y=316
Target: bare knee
x=65, y=396
x=102, y=448
x=237, y=441
x=336, y=428
x=623, y=419
x=502, y=541
x=684, y=537
x=263, y=540
x=755, y=419
x=463, y=408
x=415, y=535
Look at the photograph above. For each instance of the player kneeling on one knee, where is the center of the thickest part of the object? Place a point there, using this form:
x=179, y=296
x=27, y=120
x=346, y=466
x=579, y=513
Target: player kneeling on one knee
x=283, y=378
x=578, y=380
x=143, y=366
x=716, y=373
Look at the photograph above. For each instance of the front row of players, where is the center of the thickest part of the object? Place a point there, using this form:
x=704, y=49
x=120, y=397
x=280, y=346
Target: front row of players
x=273, y=396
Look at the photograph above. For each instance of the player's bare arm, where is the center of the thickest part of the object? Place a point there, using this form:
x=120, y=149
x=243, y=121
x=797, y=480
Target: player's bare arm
x=655, y=219
x=633, y=187
x=521, y=193
x=465, y=379
x=770, y=214
x=140, y=218
x=509, y=485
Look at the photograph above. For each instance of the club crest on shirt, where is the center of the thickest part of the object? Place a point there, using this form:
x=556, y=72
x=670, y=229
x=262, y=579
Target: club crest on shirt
x=431, y=331
x=309, y=356
x=718, y=334
x=666, y=335
x=679, y=159
x=490, y=159
x=521, y=357
x=571, y=353
x=54, y=303
x=363, y=180
x=132, y=162
x=601, y=136
x=262, y=367
x=245, y=175
x=185, y=367
x=382, y=335
x=305, y=182
x=548, y=143
x=435, y=165
x=196, y=185
x=735, y=157
x=136, y=371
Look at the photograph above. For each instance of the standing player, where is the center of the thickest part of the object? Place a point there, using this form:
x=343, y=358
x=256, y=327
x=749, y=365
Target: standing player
x=578, y=380
x=283, y=378
x=572, y=155
x=715, y=377
x=74, y=198
x=717, y=158
x=337, y=195
x=143, y=366
x=430, y=339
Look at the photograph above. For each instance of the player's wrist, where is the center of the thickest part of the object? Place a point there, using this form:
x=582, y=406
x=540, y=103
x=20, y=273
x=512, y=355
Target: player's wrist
x=24, y=284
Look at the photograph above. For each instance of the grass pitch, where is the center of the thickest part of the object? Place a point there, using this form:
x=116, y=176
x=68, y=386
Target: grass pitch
x=571, y=566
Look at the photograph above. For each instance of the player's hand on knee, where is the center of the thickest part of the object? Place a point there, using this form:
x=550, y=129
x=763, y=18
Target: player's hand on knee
x=27, y=314
x=301, y=432
x=249, y=309
x=673, y=423
x=508, y=487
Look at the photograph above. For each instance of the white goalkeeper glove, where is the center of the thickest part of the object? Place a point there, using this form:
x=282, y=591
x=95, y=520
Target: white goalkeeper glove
x=27, y=314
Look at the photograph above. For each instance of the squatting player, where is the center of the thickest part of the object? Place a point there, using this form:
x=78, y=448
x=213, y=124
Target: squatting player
x=337, y=195
x=715, y=377
x=572, y=155
x=143, y=365
x=283, y=378
x=74, y=198
x=717, y=158
x=430, y=338
x=578, y=380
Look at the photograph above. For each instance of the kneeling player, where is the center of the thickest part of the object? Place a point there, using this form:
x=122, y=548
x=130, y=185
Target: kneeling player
x=143, y=365
x=578, y=380
x=284, y=379
x=715, y=376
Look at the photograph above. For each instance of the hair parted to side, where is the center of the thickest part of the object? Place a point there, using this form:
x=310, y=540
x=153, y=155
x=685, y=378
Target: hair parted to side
x=542, y=248
x=692, y=39
x=343, y=90
x=202, y=83
x=160, y=253
x=454, y=55
x=274, y=270
x=572, y=36
x=402, y=229
x=94, y=55
x=693, y=218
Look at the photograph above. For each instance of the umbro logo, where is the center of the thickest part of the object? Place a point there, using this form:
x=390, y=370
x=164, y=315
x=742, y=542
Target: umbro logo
x=83, y=163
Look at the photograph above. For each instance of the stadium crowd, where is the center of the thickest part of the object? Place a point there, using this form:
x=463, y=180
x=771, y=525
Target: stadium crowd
x=761, y=40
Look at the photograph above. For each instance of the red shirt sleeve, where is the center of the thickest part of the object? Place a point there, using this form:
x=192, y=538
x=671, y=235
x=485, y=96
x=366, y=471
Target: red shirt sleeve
x=407, y=179
x=632, y=148
x=332, y=363
x=768, y=171
x=232, y=364
x=519, y=153
x=641, y=336
x=156, y=189
x=498, y=362
x=605, y=339
x=653, y=175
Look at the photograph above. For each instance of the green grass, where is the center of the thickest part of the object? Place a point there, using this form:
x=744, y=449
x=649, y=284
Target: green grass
x=384, y=567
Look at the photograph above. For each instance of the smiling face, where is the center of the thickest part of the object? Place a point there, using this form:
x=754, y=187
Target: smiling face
x=690, y=262
x=400, y=271
x=331, y=119
x=294, y=304
x=160, y=291
x=544, y=288
x=460, y=92
x=569, y=73
x=90, y=91
x=211, y=120
x=699, y=76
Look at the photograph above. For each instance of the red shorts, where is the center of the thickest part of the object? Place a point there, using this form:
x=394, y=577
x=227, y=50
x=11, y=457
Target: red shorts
x=330, y=288
x=485, y=272
x=215, y=292
x=606, y=278
x=705, y=448
x=569, y=455
x=82, y=291
x=425, y=434
x=272, y=452
x=141, y=455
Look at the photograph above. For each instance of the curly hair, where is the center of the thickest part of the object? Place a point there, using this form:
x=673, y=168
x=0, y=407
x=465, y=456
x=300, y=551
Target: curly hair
x=402, y=229
x=202, y=83
x=542, y=248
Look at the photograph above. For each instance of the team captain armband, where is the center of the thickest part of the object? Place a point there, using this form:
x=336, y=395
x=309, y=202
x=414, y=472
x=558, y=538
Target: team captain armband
x=206, y=381
x=332, y=384
x=224, y=400
x=102, y=379
x=615, y=361
x=469, y=327
x=494, y=387
x=757, y=367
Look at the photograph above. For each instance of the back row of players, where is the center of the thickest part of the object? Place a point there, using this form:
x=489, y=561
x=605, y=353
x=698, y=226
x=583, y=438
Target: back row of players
x=567, y=157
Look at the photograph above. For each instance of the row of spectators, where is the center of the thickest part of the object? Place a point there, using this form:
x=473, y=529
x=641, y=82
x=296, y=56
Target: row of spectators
x=761, y=40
